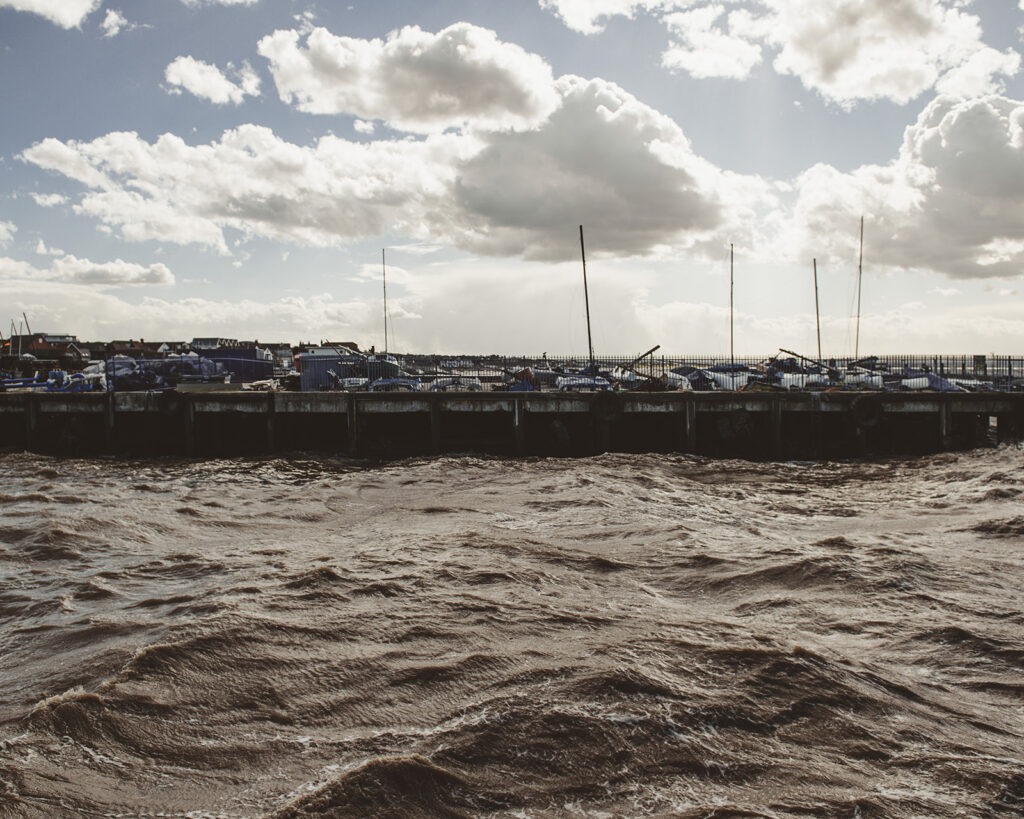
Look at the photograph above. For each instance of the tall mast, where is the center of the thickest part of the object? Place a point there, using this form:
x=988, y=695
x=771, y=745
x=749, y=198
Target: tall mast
x=384, y=276
x=732, y=357
x=817, y=314
x=860, y=271
x=586, y=301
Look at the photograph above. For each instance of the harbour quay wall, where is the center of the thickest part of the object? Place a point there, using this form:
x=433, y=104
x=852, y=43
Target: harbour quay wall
x=718, y=424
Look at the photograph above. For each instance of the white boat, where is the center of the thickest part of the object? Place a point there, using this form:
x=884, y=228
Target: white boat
x=579, y=383
x=735, y=380
x=863, y=379
x=458, y=383
x=803, y=381
x=920, y=382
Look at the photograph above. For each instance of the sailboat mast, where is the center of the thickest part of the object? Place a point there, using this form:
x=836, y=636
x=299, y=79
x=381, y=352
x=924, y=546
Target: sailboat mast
x=586, y=301
x=732, y=357
x=817, y=314
x=860, y=271
x=384, y=276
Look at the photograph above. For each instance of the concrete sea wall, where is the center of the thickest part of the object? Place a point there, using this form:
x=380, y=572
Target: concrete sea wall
x=721, y=424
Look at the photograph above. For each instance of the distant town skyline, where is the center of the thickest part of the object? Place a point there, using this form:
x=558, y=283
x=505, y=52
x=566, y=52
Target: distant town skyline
x=185, y=168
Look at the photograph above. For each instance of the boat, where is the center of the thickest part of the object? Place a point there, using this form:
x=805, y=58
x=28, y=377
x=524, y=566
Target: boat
x=458, y=383
x=264, y=385
x=582, y=383
x=917, y=380
x=729, y=376
x=395, y=385
x=695, y=377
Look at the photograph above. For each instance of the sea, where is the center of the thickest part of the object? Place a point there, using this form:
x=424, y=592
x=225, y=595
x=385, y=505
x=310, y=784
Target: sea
x=614, y=636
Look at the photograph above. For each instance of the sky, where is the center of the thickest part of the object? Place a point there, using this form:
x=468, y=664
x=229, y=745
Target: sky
x=249, y=169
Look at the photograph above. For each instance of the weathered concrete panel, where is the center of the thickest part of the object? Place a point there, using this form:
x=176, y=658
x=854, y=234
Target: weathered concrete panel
x=324, y=403
x=383, y=405
x=476, y=405
x=652, y=405
x=559, y=402
x=72, y=403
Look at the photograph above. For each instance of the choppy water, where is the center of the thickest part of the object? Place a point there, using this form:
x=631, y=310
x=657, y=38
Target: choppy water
x=615, y=636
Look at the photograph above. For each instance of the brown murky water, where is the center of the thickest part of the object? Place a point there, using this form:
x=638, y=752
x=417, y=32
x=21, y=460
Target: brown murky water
x=613, y=636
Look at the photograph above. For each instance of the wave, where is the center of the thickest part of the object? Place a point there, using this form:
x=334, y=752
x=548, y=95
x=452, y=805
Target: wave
x=1009, y=527
x=620, y=636
x=405, y=786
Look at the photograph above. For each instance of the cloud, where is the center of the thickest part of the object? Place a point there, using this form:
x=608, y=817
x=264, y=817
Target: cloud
x=49, y=200
x=71, y=13
x=43, y=250
x=66, y=159
x=361, y=126
x=208, y=82
x=602, y=159
x=65, y=13
x=414, y=80
x=7, y=231
x=95, y=313
x=114, y=23
x=853, y=50
x=629, y=313
x=952, y=202
x=256, y=183
x=976, y=77
x=702, y=50
x=590, y=16
x=71, y=270
x=846, y=50
x=220, y=2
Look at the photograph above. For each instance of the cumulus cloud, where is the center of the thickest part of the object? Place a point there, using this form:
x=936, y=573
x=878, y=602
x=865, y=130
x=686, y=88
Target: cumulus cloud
x=254, y=182
x=117, y=272
x=43, y=250
x=590, y=16
x=114, y=23
x=977, y=76
x=49, y=200
x=702, y=50
x=845, y=50
x=602, y=159
x=413, y=80
x=65, y=13
x=71, y=13
x=952, y=202
x=209, y=82
x=72, y=270
x=65, y=158
x=851, y=50
x=7, y=231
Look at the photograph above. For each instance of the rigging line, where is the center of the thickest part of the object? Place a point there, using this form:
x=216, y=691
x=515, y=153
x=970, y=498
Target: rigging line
x=860, y=272
x=384, y=278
